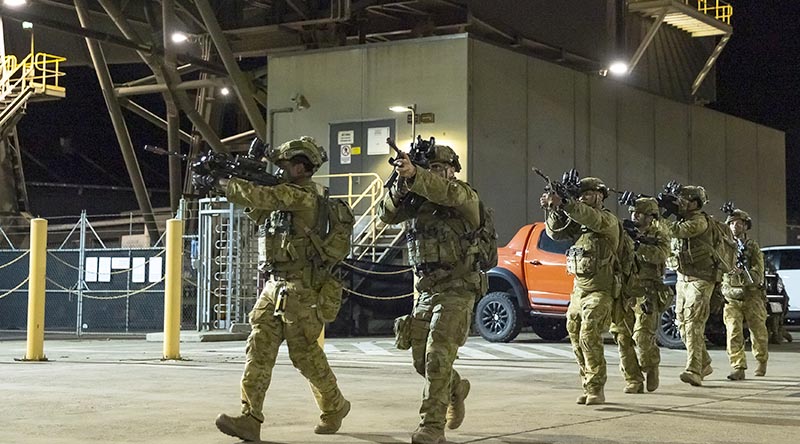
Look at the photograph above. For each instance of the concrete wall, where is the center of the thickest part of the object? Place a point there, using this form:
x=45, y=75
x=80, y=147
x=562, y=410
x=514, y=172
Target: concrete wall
x=359, y=84
x=633, y=140
x=515, y=112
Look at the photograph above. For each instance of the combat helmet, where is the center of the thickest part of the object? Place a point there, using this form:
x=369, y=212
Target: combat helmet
x=645, y=205
x=592, y=184
x=695, y=193
x=304, y=146
x=741, y=215
x=444, y=154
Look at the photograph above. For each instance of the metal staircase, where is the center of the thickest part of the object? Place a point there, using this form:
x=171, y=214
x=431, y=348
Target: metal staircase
x=372, y=240
x=699, y=18
x=35, y=78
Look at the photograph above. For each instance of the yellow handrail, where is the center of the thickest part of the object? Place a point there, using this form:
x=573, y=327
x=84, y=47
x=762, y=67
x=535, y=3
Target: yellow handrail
x=716, y=8
x=41, y=69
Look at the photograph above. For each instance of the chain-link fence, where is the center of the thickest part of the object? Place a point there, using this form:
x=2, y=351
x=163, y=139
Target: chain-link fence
x=95, y=288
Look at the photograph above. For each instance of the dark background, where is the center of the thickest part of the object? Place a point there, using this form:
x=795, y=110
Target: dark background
x=758, y=78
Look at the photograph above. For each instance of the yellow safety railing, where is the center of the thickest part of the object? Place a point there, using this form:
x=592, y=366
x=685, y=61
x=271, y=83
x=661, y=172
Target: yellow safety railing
x=371, y=197
x=41, y=70
x=716, y=8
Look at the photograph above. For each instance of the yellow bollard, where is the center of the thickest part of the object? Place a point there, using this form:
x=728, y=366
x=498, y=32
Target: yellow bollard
x=36, y=287
x=172, y=289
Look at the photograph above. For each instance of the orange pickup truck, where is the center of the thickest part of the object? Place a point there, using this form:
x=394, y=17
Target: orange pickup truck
x=529, y=287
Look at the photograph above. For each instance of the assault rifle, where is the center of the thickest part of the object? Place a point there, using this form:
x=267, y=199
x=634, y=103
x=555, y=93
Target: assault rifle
x=210, y=166
x=742, y=262
x=420, y=152
x=567, y=188
x=668, y=198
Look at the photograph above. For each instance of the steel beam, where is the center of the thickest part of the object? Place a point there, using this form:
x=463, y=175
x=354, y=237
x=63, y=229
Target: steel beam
x=173, y=117
x=709, y=63
x=648, y=38
x=118, y=121
x=242, y=85
x=151, y=117
x=215, y=82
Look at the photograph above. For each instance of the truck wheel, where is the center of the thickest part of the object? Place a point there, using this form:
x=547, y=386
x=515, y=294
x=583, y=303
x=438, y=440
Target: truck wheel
x=667, y=333
x=497, y=318
x=550, y=329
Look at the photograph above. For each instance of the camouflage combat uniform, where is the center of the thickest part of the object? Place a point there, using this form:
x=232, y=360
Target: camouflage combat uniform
x=596, y=234
x=289, y=307
x=745, y=302
x=697, y=276
x=449, y=281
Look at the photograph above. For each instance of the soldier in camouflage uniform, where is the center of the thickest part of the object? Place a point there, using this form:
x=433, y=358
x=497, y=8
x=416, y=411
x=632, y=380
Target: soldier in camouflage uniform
x=287, y=308
x=745, y=300
x=652, y=249
x=439, y=211
x=596, y=232
x=693, y=251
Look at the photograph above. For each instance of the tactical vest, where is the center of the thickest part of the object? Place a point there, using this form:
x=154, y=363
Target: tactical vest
x=695, y=255
x=282, y=246
x=650, y=268
x=437, y=240
x=591, y=252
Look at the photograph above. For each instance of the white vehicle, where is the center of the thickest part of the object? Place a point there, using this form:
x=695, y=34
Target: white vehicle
x=786, y=260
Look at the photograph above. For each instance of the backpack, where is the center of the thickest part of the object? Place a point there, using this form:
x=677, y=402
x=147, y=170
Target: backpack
x=332, y=239
x=485, y=238
x=723, y=245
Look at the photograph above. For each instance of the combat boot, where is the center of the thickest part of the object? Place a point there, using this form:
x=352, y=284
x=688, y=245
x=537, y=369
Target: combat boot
x=692, y=378
x=596, y=398
x=456, y=409
x=737, y=374
x=330, y=423
x=707, y=370
x=427, y=435
x=634, y=387
x=652, y=379
x=786, y=335
x=761, y=370
x=581, y=399
x=244, y=427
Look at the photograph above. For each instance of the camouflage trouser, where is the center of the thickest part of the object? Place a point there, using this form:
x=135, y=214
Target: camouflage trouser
x=588, y=317
x=301, y=328
x=440, y=325
x=657, y=297
x=623, y=321
x=692, y=309
x=752, y=311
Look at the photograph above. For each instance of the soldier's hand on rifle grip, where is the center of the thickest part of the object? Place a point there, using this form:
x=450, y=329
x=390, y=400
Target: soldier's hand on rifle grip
x=405, y=168
x=550, y=200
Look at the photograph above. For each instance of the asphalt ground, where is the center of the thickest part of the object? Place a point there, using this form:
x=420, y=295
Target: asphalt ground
x=120, y=391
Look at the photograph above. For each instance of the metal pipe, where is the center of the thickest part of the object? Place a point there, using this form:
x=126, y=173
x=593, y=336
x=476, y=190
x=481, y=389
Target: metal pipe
x=272, y=113
x=149, y=80
x=240, y=136
x=117, y=120
x=242, y=85
x=161, y=88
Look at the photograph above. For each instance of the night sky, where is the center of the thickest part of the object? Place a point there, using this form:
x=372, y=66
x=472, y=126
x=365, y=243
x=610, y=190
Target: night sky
x=758, y=78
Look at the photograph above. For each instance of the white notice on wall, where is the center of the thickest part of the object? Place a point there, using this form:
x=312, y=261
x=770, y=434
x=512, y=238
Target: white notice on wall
x=154, y=274
x=345, y=137
x=137, y=272
x=104, y=269
x=120, y=263
x=91, y=269
x=345, y=151
x=376, y=141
